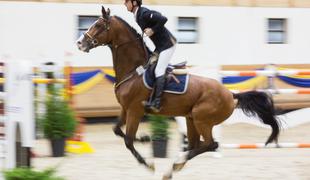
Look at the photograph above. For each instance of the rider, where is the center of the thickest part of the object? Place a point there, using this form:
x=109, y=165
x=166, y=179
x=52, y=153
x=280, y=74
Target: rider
x=152, y=23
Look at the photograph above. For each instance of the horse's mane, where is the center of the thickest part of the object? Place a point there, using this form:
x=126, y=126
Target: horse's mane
x=134, y=32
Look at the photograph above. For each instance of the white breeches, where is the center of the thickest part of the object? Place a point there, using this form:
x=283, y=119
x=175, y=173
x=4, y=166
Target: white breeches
x=163, y=61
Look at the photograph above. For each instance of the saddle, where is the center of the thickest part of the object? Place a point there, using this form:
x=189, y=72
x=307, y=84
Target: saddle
x=181, y=65
x=176, y=76
x=172, y=69
x=176, y=69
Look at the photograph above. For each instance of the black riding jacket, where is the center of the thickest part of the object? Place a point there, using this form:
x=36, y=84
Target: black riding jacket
x=162, y=37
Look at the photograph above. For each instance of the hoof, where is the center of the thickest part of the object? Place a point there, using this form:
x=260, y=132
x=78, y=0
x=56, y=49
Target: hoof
x=117, y=131
x=167, y=177
x=178, y=167
x=155, y=109
x=214, y=146
x=180, y=162
x=151, y=166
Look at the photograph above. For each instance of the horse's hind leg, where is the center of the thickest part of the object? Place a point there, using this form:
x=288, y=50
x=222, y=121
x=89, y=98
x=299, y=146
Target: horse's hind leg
x=193, y=142
x=192, y=134
x=209, y=144
x=205, y=129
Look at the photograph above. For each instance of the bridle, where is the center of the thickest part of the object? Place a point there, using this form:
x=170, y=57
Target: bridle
x=92, y=40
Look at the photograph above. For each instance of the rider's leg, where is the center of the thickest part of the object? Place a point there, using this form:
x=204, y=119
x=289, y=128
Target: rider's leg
x=163, y=61
x=160, y=70
x=159, y=88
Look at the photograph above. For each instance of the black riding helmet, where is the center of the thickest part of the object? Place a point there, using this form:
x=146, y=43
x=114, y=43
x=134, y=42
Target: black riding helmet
x=139, y=2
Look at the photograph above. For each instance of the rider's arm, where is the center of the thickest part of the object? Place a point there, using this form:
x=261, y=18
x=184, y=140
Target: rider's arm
x=156, y=18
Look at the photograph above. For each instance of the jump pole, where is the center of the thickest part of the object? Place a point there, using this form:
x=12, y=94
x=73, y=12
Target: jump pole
x=262, y=146
x=76, y=143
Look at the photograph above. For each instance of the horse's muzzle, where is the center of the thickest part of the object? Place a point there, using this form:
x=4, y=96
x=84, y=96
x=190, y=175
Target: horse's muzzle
x=83, y=44
x=82, y=47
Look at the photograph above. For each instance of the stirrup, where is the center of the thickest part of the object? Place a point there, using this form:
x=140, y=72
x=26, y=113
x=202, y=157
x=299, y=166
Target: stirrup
x=146, y=104
x=149, y=107
x=155, y=109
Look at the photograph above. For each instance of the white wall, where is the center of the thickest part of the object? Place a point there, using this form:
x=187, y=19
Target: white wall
x=228, y=35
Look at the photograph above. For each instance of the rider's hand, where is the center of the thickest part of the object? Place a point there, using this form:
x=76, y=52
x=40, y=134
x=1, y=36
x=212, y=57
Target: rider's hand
x=149, y=32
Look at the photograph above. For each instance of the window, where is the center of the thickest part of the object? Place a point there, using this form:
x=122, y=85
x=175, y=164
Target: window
x=277, y=31
x=85, y=22
x=187, y=30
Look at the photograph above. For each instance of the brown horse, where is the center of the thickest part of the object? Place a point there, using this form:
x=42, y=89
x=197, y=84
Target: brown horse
x=205, y=104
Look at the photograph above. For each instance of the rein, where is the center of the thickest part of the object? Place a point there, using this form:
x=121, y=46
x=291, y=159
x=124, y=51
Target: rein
x=92, y=40
x=139, y=70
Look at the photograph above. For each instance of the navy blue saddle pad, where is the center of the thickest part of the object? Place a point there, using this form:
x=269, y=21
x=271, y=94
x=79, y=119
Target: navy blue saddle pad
x=172, y=86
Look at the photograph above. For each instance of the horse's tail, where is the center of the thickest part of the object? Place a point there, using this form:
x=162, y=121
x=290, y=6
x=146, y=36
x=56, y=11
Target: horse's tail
x=260, y=103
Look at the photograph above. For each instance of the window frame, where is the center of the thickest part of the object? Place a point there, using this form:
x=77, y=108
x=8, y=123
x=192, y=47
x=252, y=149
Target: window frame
x=195, y=29
x=83, y=29
x=283, y=30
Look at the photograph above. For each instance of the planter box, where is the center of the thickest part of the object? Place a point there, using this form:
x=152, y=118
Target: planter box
x=160, y=148
x=58, y=147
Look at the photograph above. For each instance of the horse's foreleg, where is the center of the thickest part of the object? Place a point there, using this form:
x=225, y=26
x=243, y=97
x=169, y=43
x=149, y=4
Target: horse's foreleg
x=122, y=121
x=131, y=129
x=136, y=154
x=118, y=131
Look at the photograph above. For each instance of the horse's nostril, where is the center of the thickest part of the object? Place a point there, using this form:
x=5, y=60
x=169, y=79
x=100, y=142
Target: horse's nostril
x=79, y=42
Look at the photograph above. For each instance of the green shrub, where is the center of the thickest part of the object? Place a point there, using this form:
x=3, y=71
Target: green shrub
x=29, y=174
x=159, y=127
x=59, y=120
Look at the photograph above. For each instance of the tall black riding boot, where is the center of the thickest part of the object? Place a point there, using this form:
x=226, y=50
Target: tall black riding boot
x=154, y=105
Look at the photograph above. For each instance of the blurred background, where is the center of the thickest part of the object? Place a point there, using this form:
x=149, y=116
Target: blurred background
x=208, y=31
x=213, y=36
x=223, y=34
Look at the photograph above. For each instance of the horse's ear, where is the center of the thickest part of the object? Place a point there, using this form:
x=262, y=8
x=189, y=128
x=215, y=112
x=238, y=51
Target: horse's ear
x=103, y=11
x=108, y=12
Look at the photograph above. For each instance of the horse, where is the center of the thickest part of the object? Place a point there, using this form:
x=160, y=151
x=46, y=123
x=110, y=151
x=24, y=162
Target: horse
x=205, y=104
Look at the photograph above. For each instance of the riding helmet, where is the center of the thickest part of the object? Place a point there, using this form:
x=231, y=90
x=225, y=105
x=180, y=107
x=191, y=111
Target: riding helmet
x=139, y=2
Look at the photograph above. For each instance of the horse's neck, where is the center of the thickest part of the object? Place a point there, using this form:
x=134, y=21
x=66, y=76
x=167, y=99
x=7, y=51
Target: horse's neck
x=127, y=57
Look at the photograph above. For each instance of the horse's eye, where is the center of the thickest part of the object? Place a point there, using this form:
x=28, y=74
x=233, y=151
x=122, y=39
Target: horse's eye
x=95, y=42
